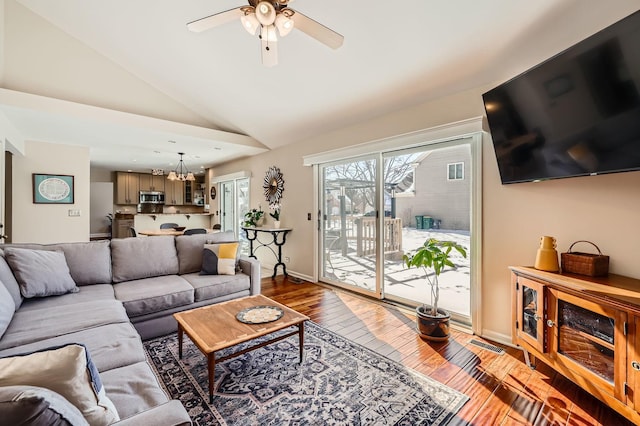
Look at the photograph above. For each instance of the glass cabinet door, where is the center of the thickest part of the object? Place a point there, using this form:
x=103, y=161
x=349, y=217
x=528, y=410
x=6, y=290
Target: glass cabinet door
x=589, y=339
x=530, y=313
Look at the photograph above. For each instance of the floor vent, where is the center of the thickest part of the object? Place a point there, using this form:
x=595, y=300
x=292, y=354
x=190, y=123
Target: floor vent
x=487, y=346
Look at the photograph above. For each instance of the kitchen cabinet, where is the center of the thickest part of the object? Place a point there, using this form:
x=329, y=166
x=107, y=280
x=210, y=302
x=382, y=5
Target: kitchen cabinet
x=194, y=191
x=586, y=328
x=127, y=188
x=149, y=182
x=174, y=193
x=122, y=228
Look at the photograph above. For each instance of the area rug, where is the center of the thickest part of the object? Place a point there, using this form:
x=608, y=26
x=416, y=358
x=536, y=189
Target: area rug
x=338, y=383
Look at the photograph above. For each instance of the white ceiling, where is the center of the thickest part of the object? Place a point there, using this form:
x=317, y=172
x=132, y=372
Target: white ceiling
x=395, y=55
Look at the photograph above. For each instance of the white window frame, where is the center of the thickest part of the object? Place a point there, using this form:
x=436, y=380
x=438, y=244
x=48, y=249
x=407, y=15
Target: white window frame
x=455, y=171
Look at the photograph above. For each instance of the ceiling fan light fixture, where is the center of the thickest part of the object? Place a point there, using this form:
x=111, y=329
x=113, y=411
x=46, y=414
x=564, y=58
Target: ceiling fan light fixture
x=268, y=33
x=249, y=21
x=284, y=24
x=266, y=13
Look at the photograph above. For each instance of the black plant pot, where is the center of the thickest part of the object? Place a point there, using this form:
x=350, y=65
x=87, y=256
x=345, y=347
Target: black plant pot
x=433, y=328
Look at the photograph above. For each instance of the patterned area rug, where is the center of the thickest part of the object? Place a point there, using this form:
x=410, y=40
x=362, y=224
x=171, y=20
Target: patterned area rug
x=339, y=383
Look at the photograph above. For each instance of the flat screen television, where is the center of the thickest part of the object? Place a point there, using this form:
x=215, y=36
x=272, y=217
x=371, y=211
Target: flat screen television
x=575, y=114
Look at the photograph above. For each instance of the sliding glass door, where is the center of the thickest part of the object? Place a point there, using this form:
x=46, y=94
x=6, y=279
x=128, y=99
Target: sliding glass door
x=228, y=206
x=348, y=225
x=428, y=195
x=377, y=208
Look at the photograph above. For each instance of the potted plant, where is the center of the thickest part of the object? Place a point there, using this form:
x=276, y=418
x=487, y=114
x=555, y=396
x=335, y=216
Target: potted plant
x=275, y=215
x=252, y=218
x=433, y=257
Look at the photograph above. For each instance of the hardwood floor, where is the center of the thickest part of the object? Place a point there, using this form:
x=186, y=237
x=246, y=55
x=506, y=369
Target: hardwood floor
x=502, y=389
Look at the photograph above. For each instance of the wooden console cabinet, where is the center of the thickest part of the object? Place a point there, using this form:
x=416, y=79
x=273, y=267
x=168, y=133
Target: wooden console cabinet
x=586, y=328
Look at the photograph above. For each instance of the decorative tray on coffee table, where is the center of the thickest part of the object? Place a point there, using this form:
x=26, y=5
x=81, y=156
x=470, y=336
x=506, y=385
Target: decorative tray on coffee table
x=259, y=314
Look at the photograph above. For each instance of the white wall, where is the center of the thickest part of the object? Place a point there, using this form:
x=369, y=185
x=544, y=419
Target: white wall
x=41, y=59
x=603, y=209
x=50, y=223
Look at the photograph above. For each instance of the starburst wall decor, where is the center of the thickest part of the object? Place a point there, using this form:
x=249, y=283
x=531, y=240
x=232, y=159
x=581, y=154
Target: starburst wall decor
x=273, y=186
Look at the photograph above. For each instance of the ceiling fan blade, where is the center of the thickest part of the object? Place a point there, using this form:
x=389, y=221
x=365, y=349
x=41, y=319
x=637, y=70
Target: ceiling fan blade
x=215, y=20
x=317, y=30
x=269, y=45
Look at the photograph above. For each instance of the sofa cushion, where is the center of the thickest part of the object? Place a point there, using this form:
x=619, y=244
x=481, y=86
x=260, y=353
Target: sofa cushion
x=136, y=258
x=156, y=294
x=189, y=248
x=7, y=308
x=213, y=286
x=111, y=346
x=67, y=370
x=89, y=262
x=220, y=258
x=40, y=273
x=9, y=281
x=86, y=293
x=37, y=324
x=33, y=405
x=133, y=389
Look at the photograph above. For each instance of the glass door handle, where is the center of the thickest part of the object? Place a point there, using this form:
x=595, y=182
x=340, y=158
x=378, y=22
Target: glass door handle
x=550, y=323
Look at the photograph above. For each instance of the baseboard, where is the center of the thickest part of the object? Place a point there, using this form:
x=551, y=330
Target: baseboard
x=504, y=339
x=269, y=267
x=301, y=276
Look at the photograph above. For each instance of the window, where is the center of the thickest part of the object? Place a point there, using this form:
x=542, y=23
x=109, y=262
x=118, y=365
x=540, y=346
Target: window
x=455, y=171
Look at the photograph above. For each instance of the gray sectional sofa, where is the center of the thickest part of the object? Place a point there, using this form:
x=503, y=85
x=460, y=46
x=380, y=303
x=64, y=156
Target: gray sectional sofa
x=127, y=290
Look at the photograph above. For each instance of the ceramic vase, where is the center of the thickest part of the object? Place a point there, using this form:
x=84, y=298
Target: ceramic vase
x=276, y=224
x=547, y=256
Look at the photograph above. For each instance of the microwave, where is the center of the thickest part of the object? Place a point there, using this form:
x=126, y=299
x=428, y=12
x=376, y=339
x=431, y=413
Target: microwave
x=151, y=197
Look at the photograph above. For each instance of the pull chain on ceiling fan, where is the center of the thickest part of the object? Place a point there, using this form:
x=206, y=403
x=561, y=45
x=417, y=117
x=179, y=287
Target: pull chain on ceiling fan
x=269, y=16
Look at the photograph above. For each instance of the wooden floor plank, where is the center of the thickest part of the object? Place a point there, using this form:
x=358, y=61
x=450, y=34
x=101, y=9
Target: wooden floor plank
x=501, y=388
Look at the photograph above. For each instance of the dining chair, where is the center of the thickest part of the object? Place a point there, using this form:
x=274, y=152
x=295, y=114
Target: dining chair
x=195, y=231
x=132, y=232
x=168, y=225
x=217, y=226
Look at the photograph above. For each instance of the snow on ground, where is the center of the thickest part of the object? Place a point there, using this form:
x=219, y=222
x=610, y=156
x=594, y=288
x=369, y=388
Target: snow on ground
x=409, y=283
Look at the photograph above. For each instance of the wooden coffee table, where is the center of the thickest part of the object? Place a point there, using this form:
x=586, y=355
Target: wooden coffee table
x=215, y=327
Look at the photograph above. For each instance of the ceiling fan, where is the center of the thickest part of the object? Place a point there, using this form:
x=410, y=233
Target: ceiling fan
x=269, y=16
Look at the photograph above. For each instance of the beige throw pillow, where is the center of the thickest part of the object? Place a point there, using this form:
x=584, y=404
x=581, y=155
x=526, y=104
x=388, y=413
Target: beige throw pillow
x=67, y=370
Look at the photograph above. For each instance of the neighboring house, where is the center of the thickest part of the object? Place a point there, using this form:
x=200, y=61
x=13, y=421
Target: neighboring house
x=440, y=189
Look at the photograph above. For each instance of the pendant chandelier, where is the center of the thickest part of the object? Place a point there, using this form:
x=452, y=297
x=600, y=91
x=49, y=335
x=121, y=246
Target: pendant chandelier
x=181, y=172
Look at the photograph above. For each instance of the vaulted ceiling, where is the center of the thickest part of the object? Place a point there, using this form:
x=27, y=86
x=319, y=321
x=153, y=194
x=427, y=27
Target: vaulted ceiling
x=395, y=55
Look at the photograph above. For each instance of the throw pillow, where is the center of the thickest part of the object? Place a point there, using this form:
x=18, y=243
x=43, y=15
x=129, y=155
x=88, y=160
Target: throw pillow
x=67, y=370
x=32, y=405
x=40, y=273
x=219, y=259
x=9, y=280
x=7, y=308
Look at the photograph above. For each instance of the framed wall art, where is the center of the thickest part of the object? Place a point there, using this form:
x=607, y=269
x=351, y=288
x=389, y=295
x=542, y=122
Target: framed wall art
x=52, y=189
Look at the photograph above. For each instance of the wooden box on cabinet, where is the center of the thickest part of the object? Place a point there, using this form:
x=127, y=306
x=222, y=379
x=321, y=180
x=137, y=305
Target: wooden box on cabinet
x=585, y=328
